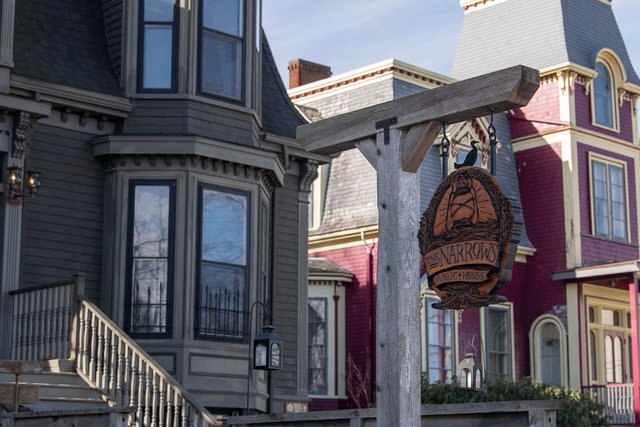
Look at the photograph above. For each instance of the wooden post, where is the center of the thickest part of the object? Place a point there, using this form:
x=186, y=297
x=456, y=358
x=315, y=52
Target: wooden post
x=404, y=131
x=398, y=292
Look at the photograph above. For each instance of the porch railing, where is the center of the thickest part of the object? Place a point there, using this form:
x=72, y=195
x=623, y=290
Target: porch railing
x=42, y=318
x=618, y=399
x=56, y=321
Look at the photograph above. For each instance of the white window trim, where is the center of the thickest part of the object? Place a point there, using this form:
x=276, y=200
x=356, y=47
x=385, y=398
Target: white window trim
x=615, y=162
x=615, y=110
x=327, y=289
x=598, y=328
x=507, y=306
x=534, y=346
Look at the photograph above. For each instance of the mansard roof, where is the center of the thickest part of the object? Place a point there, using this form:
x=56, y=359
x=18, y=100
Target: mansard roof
x=540, y=34
x=279, y=116
x=64, y=43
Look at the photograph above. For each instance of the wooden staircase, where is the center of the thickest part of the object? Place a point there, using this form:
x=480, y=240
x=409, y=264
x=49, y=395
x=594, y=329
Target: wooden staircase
x=91, y=365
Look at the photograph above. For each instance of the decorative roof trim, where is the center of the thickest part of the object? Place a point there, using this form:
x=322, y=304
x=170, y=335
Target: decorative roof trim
x=180, y=145
x=388, y=68
x=583, y=75
x=474, y=5
x=595, y=271
x=81, y=99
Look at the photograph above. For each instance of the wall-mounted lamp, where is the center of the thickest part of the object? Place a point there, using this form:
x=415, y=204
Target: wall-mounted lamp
x=15, y=189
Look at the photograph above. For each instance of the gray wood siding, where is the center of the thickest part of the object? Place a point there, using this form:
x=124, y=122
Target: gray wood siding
x=113, y=30
x=285, y=285
x=174, y=117
x=63, y=223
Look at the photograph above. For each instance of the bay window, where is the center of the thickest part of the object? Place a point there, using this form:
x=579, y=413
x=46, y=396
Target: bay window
x=222, y=48
x=609, y=201
x=223, y=275
x=150, y=258
x=158, y=36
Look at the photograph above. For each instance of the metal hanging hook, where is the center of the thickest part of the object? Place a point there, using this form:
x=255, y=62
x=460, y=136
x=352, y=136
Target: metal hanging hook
x=445, y=143
x=493, y=142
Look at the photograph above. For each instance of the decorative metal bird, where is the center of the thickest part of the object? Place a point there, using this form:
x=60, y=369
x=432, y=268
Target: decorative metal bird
x=471, y=158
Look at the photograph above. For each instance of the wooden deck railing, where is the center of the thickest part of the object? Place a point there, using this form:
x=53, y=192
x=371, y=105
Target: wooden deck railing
x=618, y=398
x=56, y=321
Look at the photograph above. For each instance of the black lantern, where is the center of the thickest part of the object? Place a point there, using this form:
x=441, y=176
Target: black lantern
x=267, y=350
x=470, y=371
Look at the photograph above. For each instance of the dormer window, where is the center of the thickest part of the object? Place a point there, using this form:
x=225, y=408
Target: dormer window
x=222, y=48
x=603, y=96
x=157, y=38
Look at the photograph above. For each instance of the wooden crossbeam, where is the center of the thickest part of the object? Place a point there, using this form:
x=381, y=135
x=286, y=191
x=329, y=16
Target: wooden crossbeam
x=498, y=91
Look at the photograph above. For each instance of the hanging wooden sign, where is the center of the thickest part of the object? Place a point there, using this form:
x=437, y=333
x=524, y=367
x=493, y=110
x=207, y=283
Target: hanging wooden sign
x=468, y=239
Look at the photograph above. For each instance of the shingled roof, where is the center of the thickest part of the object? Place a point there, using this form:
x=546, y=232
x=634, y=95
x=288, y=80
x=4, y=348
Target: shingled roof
x=63, y=41
x=539, y=34
x=279, y=116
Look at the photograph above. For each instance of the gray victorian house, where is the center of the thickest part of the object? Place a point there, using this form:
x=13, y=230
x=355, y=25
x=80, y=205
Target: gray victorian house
x=147, y=149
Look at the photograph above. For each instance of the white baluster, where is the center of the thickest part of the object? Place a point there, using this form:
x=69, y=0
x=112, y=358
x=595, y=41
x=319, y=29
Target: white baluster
x=142, y=378
x=154, y=397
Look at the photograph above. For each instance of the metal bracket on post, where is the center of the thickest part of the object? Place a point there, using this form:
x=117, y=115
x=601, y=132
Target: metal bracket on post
x=385, y=125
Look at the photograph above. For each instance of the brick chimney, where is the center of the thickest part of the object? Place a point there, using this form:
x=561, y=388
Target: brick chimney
x=302, y=72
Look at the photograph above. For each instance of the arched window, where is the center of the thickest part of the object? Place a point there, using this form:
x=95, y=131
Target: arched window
x=548, y=350
x=603, y=99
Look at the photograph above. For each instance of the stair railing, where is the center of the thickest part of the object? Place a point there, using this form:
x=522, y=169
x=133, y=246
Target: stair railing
x=42, y=318
x=55, y=321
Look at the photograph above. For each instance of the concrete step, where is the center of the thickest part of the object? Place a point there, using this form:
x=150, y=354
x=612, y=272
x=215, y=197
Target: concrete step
x=58, y=389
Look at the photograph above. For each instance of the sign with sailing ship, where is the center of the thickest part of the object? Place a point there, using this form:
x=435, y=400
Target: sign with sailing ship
x=468, y=239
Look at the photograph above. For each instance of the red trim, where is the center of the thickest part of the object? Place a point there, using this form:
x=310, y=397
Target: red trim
x=635, y=354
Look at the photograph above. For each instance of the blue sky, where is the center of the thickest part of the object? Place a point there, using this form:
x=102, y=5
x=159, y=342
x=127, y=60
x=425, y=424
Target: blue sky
x=348, y=34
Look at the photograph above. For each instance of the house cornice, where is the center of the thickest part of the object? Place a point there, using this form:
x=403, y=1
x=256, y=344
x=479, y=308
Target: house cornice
x=187, y=145
x=74, y=98
x=390, y=68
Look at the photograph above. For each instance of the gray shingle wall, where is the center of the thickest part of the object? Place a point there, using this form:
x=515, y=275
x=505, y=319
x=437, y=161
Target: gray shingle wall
x=355, y=99
x=63, y=41
x=285, y=298
x=113, y=21
x=539, y=34
x=63, y=223
x=180, y=117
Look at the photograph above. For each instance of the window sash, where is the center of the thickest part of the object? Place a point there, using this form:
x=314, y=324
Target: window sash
x=609, y=200
x=439, y=343
x=603, y=96
x=150, y=243
x=221, y=53
x=157, y=53
x=318, y=346
x=222, y=294
x=498, y=341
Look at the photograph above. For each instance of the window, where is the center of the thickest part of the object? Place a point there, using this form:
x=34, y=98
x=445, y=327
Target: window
x=222, y=48
x=157, y=39
x=439, y=343
x=317, y=346
x=223, y=282
x=603, y=99
x=498, y=341
x=548, y=350
x=326, y=362
x=150, y=258
x=609, y=343
x=609, y=200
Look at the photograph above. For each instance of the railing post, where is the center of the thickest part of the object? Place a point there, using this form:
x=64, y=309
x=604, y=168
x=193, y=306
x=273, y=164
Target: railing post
x=78, y=291
x=635, y=347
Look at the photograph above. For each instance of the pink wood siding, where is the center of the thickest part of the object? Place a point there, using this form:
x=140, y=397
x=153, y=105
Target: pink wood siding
x=357, y=303
x=540, y=115
x=540, y=176
x=583, y=116
x=597, y=249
